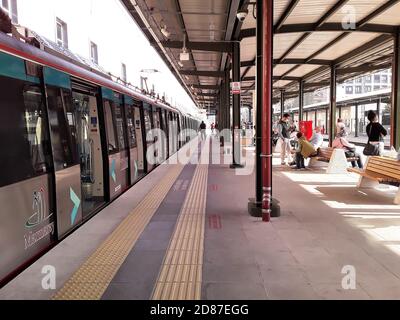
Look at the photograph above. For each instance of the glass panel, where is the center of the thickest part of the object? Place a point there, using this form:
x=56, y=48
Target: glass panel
x=148, y=127
x=4, y=4
x=112, y=141
x=24, y=140
x=119, y=117
x=62, y=128
x=130, y=121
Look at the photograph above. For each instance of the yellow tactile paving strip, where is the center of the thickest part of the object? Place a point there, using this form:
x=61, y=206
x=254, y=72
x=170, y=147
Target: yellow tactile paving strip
x=181, y=273
x=92, y=279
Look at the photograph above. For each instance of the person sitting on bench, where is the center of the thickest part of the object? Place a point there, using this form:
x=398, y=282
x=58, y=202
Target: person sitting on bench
x=305, y=150
x=341, y=142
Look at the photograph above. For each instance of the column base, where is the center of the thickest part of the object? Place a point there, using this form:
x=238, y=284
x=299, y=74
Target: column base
x=236, y=166
x=255, y=208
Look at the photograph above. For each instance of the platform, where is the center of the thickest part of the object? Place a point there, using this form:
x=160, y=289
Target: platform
x=184, y=233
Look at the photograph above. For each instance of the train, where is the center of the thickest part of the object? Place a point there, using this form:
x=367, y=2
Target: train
x=72, y=140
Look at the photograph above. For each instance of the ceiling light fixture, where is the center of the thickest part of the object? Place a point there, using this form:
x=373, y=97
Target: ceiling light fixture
x=165, y=31
x=184, y=56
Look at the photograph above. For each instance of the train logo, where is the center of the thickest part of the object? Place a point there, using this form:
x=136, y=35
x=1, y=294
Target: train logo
x=39, y=210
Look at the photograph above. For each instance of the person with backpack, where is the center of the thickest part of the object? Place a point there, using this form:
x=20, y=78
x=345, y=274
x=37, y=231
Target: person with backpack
x=203, y=129
x=376, y=132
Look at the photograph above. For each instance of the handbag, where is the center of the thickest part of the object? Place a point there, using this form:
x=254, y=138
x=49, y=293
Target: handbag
x=371, y=149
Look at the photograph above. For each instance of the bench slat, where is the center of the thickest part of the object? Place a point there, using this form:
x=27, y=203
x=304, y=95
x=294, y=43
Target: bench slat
x=385, y=171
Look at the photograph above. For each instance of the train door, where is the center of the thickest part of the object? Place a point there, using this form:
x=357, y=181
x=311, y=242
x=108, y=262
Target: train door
x=118, y=163
x=171, y=133
x=89, y=145
x=26, y=186
x=135, y=146
x=179, y=130
x=149, y=136
x=164, y=128
x=157, y=138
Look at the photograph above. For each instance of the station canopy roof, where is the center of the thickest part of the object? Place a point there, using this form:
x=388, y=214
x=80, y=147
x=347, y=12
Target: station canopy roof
x=357, y=36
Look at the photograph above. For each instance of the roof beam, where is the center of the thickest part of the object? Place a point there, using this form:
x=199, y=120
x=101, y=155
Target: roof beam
x=305, y=61
x=363, y=68
x=208, y=94
x=286, y=14
x=213, y=74
x=205, y=87
x=213, y=46
x=335, y=27
x=250, y=63
x=321, y=21
x=247, y=33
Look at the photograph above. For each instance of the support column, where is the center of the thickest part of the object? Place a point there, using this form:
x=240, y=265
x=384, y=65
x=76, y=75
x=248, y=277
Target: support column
x=395, y=112
x=301, y=100
x=332, y=107
x=282, y=103
x=357, y=127
x=221, y=108
x=227, y=83
x=266, y=155
x=378, y=108
x=264, y=205
x=236, y=160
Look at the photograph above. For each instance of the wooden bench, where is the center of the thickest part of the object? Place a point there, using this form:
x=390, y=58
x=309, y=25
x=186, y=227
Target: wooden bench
x=379, y=170
x=325, y=155
x=336, y=158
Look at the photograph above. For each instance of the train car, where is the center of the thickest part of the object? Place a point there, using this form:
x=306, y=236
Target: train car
x=72, y=141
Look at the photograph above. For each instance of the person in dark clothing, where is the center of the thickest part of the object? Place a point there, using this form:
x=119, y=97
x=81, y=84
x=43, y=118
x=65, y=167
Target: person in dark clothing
x=376, y=132
x=203, y=128
x=284, y=136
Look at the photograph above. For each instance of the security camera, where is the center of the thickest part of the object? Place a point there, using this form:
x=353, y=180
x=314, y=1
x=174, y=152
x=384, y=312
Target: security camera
x=242, y=14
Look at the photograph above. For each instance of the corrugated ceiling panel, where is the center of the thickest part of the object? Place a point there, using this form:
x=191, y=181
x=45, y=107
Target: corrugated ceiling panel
x=349, y=43
x=282, y=68
x=303, y=70
x=282, y=42
x=312, y=44
x=390, y=16
x=281, y=83
x=361, y=8
x=248, y=48
x=309, y=11
x=218, y=6
x=279, y=7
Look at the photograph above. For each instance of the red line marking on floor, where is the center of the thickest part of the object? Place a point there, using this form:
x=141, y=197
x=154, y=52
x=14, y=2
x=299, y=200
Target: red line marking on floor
x=214, y=222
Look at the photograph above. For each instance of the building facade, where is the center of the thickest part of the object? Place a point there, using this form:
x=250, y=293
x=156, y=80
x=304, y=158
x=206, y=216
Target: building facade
x=103, y=32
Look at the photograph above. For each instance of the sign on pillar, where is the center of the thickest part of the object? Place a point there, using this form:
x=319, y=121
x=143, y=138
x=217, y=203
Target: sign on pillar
x=236, y=88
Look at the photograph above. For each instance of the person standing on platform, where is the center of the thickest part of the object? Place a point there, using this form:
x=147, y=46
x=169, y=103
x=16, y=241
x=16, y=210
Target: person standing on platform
x=203, y=129
x=376, y=132
x=284, y=137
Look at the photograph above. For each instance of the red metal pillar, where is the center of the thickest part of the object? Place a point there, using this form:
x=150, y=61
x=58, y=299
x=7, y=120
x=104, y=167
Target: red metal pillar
x=267, y=109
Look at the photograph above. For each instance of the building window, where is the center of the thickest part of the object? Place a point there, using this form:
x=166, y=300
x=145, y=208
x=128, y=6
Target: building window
x=377, y=78
x=349, y=90
x=368, y=88
x=368, y=79
x=123, y=72
x=384, y=78
x=61, y=33
x=376, y=88
x=94, y=55
x=359, y=80
x=358, y=89
x=11, y=8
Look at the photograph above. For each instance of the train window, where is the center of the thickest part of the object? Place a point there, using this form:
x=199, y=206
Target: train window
x=24, y=137
x=112, y=141
x=62, y=128
x=119, y=118
x=130, y=122
x=148, y=127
